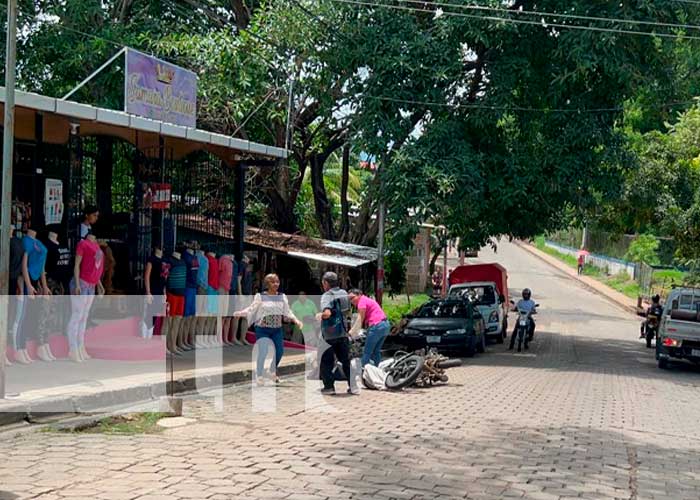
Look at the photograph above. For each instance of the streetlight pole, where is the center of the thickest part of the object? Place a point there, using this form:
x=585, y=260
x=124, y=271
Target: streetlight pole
x=6, y=201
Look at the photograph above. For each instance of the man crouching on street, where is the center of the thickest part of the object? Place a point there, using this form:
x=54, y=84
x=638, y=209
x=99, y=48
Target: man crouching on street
x=335, y=318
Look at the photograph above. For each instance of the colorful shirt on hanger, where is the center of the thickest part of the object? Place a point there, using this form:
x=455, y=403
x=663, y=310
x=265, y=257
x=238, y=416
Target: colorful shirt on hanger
x=225, y=272
x=213, y=272
x=58, y=262
x=192, y=264
x=177, y=277
x=203, y=275
x=36, y=256
x=93, y=262
x=159, y=273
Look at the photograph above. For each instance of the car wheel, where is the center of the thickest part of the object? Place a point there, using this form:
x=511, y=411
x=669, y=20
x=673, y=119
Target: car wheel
x=481, y=345
x=503, y=335
x=470, y=349
x=663, y=363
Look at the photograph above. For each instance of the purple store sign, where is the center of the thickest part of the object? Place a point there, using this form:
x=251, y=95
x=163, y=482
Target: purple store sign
x=159, y=90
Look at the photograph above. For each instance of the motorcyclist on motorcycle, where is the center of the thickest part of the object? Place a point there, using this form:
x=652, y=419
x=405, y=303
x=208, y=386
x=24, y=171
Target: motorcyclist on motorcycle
x=529, y=305
x=653, y=316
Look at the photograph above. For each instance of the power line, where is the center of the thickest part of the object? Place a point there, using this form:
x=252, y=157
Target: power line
x=552, y=14
x=513, y=108
x=520, y=21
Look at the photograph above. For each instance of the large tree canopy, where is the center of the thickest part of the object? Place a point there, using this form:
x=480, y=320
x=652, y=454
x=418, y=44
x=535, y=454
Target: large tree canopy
x=491, y=122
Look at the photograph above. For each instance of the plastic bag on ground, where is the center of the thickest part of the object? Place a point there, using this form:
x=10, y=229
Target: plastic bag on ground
x=374, y=377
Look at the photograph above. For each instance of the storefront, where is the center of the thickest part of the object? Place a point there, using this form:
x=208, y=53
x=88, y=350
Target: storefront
x=141, y=174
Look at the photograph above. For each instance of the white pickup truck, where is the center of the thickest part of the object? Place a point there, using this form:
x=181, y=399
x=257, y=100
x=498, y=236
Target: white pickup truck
x=679, y=330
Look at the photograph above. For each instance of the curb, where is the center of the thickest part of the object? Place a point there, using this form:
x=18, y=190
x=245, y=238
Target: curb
x=600, y=289
x=12, y=412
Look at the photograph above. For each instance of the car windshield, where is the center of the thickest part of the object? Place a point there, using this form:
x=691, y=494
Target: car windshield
x=443, y=310
x=481, y=294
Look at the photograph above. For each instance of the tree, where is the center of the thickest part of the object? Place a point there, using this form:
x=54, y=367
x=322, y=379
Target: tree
x=494, y=128
x=644, y=250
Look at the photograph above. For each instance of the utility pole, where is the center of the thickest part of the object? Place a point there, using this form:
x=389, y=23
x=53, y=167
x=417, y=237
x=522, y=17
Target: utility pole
x=6, y=201
x=380, y=249
x=380, y=237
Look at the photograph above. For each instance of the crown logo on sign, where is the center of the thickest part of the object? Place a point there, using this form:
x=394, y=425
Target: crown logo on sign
x=164, y=74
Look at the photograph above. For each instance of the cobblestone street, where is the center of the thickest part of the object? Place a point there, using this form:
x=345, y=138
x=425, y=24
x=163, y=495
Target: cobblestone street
x=584, y=414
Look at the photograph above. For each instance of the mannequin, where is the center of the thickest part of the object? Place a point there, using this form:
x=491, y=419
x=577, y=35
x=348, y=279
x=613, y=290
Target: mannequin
x=189, y=323
x=15, y=289
x=213, y=292
x=34, y=275
x=202, y=339
x=86, y=281
x=154, y=279
x=226, y=270
x=175, y=294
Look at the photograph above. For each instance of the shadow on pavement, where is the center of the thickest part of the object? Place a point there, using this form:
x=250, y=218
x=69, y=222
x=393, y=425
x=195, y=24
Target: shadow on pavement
x=556, y=351
x=518, y=462
x=6, y=495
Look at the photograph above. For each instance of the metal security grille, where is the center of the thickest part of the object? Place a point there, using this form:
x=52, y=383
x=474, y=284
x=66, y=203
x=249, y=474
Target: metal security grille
x=203, y=201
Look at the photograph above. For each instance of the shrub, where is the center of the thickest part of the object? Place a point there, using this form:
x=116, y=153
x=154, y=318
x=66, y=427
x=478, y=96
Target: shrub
x=644, y=249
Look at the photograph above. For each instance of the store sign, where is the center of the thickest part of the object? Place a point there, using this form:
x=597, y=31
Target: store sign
x=159, y=90
x=161, y=196
x=53, y=202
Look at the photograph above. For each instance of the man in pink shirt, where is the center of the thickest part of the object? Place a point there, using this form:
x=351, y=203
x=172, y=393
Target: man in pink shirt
x=374, y=320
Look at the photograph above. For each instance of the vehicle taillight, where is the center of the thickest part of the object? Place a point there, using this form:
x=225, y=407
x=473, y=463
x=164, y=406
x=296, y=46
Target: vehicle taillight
x=669, y=342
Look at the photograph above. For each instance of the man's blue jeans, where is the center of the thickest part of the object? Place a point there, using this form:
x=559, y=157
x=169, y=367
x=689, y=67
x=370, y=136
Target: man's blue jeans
x=376, y=335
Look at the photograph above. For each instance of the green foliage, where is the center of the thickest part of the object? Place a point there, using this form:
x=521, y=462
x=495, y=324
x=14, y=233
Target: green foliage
x=644, y=249
x=395, y=276
x=398, y=306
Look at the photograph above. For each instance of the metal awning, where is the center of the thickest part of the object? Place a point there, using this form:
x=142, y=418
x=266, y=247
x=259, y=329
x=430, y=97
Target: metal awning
x=141, y=131
x=294, y=245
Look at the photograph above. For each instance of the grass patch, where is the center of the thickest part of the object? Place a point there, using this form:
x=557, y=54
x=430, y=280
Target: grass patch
x=569, y=260
x=123, y=425
x=398, y=306
x=623, y=284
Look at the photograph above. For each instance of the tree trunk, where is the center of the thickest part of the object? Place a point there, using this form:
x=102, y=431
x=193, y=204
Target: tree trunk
x=344, y=205
x=433, y=260
x=321, y=202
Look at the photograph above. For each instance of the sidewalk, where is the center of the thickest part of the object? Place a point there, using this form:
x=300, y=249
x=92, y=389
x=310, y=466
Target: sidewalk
x=617, y=298
x=42, y=389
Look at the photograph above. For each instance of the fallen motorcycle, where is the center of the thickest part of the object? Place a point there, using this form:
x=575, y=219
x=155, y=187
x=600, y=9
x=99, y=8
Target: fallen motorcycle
x=434, y=367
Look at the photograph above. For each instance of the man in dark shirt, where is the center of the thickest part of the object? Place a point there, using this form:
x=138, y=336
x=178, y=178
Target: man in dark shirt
x=334, y=317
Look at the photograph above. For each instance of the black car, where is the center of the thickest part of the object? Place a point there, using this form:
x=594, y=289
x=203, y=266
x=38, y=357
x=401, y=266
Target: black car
x=448, y=325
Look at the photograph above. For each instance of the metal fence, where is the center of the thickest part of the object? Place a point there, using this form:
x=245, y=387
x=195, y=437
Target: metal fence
x=610, y=244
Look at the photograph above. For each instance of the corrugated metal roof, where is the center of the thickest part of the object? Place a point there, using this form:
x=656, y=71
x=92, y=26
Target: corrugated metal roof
x=294, y=245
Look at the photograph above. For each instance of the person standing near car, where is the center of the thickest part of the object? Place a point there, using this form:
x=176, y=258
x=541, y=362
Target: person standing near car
x=373, y=318
x=334, y=318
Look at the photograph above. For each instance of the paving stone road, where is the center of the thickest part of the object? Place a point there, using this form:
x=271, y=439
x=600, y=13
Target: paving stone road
x=584, y=414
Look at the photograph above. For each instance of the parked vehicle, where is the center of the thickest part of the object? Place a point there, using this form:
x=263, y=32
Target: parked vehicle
x=446, y=325
x=678, y=337
x=487, y=286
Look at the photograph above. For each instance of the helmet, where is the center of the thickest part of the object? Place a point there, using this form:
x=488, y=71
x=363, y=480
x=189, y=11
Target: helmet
x=527, y=294
x=656, y=299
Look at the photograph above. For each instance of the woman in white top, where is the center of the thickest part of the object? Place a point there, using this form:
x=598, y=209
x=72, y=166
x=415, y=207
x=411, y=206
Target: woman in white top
x=268, y=312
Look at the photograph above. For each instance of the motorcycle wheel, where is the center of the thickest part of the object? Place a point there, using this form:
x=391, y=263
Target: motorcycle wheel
x=449, y=363
x=404, y=372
